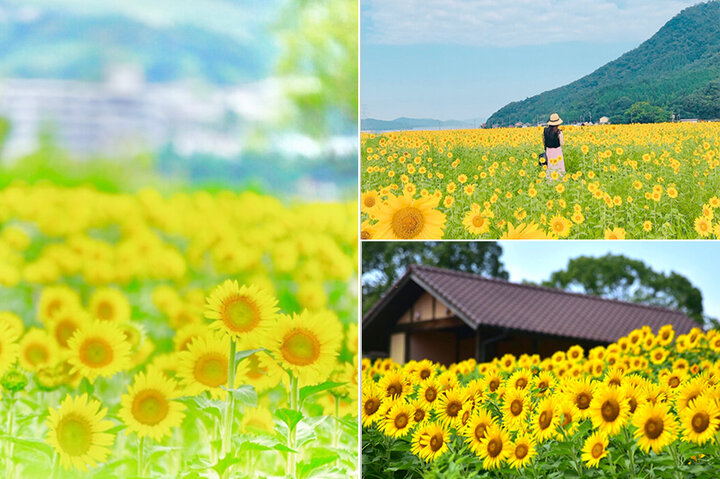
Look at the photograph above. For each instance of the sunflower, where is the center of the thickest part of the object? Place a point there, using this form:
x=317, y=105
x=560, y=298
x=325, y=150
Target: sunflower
x=655, y=426
x=594, y=449
x=204, y=366
x=369, y=202
x=421, y=412
x=519, y=379
x=495, y=447
x=570, y=416
x=37, y=350
x=665, y=335
x=403, y=217
x=560, y=226
x=395, y=385
x=77, y=432
x=429, y=391
x=55, y=298
x=398, y=420
x=700, y=420
x=185, y=335
x=474, y=429
x=477, y=221
x=545, y=420
x=260, y=371
x=492, y=380
x=99, y=348
x=522, y=451
x=515, y=408
x=244, y=313
x=9, y=348
x=690, y=391
x=430, y=441
x=423, y=370
x=109, y=304
x=525, y=231
x=609, y=410
x=148, y=408
x=64, y=324
x=449, y=407
x=580, y=392
x=544, y=382
x=615, y=234
x=307, y=344
x=13, y=322
x=372, y=399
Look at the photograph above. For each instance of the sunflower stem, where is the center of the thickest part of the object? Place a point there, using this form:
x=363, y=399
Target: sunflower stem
x=229, y=410
x=292, y=456
x=10, y=425
x=140, y=456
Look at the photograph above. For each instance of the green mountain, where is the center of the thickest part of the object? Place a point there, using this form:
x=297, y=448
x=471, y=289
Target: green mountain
x=676, y=70
x=57, y=43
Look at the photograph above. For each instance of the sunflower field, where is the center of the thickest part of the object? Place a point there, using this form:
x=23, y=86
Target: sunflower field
x=620, y=181
x=647, y=405
x=184, y=335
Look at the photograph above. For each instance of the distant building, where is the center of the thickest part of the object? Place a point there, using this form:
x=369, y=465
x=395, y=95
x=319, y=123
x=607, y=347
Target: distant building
x=689, y=120
x=447, y=316
x=604, y=120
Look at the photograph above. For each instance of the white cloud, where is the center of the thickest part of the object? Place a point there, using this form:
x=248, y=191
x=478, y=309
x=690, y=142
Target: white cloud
x=514, y=22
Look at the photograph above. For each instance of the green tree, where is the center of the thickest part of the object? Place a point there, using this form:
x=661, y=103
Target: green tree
x=383, y=263
x=626, y=279
x=320, y=44
x=644, y=112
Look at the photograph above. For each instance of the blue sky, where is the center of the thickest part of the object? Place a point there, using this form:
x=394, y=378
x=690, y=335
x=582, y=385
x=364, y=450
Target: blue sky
x=699, y=261
x=465, y=59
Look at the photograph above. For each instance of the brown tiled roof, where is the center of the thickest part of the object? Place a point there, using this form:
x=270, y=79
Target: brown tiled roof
x=483, y=301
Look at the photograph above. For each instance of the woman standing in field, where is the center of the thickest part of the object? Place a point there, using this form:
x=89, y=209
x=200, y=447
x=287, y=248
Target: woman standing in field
x=553, y=140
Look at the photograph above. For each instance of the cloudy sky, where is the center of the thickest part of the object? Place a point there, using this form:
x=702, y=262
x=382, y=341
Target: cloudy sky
x=465, y=59
x=699, y=261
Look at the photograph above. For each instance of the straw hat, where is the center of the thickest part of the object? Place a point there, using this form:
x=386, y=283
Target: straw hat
x=554, y=120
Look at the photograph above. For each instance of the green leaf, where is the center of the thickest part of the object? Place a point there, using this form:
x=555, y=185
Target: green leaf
x=289, y=417
x=240, y=355
x=244, y=395
x=35, y=444
x=308, y=391
x=305, y=468
x=225, y=463
x=86, y=387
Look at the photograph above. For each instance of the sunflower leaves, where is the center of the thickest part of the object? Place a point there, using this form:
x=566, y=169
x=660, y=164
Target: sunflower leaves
x=30, y=443
x=308, y=391
x=245, y=395
x=240, y=355
x=289, y=417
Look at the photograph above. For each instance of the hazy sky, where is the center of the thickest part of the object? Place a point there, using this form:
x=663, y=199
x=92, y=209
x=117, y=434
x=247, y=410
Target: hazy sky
x=465, y=59
x=699, y=261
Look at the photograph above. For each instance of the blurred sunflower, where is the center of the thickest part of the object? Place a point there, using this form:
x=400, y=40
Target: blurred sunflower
x=109, y=304
x=99, y=348
x=243, y=313
x=9, y=349
x=77, y=432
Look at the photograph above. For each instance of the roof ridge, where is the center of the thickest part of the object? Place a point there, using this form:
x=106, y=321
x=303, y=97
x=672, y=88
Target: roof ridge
x=474, y=276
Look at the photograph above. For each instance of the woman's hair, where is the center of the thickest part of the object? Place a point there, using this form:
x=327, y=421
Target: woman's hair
x=552, y=134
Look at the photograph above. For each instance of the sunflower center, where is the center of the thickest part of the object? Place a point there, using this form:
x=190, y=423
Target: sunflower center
x=241, y=315
x=364, y=234
x=419, y=415
x=700, y=422
x=401, y=421
x=521, y=451
x=301, y=348
x=408, y=222
x=583, y=400
x=633, y=404
x=74, y=435
x=425, y=373
x=430, y=394
x=150, y=407
x=64, y=331
x=521, y=383
x=394, y=389
x=436, y=442
x=105, y=311
x=614, y=382
x=453, y=408
x=653, y=427
x=465, y=417
x=371, y=406
x=494, y=447
x=480, y=431
x=597, y=450
x=96, y=353
x=478, y=221
x=53, y=307
x=494, y=384
x=370, y=201
x=516, y=407
x=545, y=419
x=211, y=370
x=542, y=386
x=567, y=419
x=674, y=382
x=36, y=354
x=610, y=410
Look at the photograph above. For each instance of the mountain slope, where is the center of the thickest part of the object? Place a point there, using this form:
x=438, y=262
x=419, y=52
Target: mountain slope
x=678, y=69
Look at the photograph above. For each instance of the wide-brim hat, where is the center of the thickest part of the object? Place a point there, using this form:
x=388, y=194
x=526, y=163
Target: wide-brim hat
x=554, y=120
